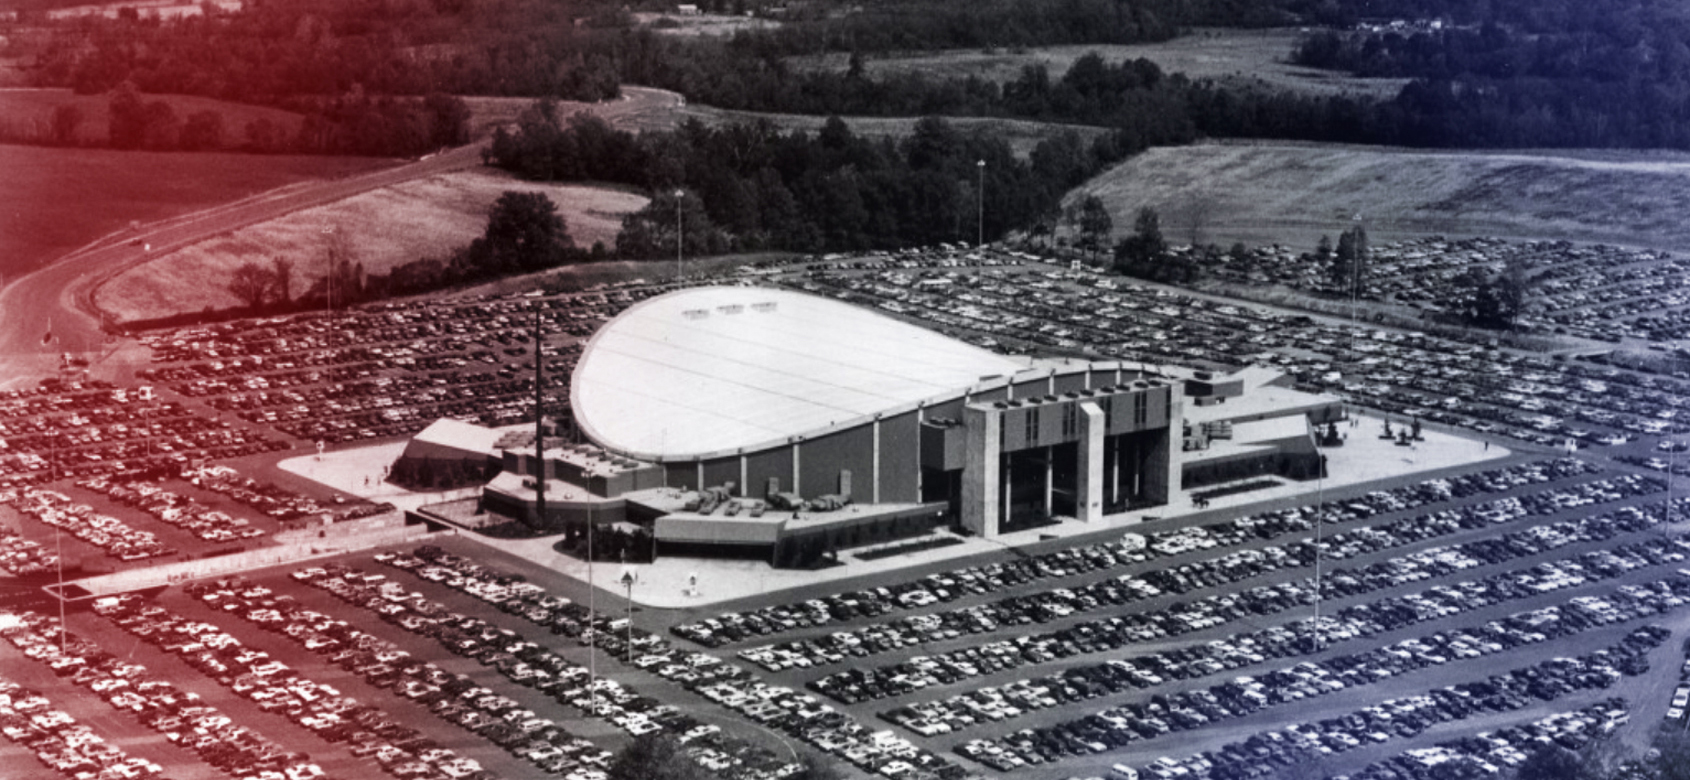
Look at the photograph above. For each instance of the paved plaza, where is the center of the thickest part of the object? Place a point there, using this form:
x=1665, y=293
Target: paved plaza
x=1363, y=458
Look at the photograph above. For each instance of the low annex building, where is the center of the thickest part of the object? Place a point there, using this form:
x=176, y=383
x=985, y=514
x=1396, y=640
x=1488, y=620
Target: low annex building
x=781, y=425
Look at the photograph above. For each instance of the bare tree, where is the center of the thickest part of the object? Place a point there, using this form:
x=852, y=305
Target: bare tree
x=339, y=258
x=281, y=272
x=1195, y=212
x=251, y=283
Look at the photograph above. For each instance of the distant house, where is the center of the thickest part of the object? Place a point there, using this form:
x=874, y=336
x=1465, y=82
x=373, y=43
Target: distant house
x=687, y=9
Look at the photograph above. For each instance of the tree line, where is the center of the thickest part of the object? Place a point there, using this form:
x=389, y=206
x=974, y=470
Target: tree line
x=354, y=124
x=273, y=50
x=1603, y=74
x=750, y=186
x=1614, y=75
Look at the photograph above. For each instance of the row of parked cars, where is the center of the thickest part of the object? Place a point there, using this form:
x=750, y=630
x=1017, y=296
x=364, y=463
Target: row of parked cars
x=1411, y=374
x=731, y=627
x=212, y=525
x=1183, y=578
x=277, y=502
x=797, y=713
x=1357, y=620
x=182, y=717
x=1592, y=291
x=381, y=370
x=1483, y=753
x=117, y=538
x=453, y=697
x=93, y=428
x=1279, y=751
x=273, y=687
x=24, y=557
x=1000, y=703
x=1231, y=568
x=534, y=666
x=60, y=742
x=1134, y=721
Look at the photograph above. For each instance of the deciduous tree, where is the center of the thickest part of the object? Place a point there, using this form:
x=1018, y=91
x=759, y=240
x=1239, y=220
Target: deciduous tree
x=203, y=130
x=1095, y=222
x=653, y=757
x=524, y=233
x=251, y=283
x=66, y=120
x=281, y=275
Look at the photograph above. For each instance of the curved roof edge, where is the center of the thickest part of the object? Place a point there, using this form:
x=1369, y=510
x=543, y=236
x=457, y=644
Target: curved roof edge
x=990, y=385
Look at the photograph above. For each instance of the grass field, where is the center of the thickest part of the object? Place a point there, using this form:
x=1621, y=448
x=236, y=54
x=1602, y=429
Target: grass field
x=696, y=25
x=387, y=227
x=147, y=9
x=1291, y=194
x=55, y=200
x=1234, y=56
x=643, y=109
x=24, y=108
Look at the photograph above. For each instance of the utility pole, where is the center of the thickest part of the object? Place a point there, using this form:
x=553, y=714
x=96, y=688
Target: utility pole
x=980, y=206
x=592, y=616
x=680, y=236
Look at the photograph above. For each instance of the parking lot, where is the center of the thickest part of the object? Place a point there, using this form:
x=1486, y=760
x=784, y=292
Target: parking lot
x=1189, y=648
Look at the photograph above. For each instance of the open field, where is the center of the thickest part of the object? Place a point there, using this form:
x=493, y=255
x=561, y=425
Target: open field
x=644, y=108
x=694, y=25
x=26, y=110
x=1233, y=56
x=1291, y=194
x=387, y=227
x=148, y=9
x=1022, y=135
x=55, y=200
x=639, y=108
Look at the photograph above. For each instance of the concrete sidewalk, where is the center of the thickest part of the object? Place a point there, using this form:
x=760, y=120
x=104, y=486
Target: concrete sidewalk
x=665, y=584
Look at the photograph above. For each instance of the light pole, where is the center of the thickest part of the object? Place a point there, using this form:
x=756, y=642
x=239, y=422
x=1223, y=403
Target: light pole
x=1319, y=523
x=328, y=278
x=980, y=205
x=592, y=618
x=539, y=422
x=680, y=236
x=627, y=580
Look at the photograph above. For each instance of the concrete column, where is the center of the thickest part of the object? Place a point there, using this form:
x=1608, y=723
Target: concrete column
x=874, y=478
x=1006, y=488
x=1089, y=497
x=1050, y=478
x=1115, y=473
x=980, y=471
x=743, y=487
x=1170, y=461
x=795, y=483
x=920, y=417
x=701, y=476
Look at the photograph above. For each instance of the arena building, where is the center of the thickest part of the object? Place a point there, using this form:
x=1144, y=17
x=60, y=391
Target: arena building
x=777, y=424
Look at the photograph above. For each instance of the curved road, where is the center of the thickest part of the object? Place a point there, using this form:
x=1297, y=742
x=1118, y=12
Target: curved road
x=56, y=300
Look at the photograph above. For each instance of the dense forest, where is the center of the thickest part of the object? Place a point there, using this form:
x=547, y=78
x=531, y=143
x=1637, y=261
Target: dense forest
x=1505, y=73
x=750, y=186
x=1512, y=73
